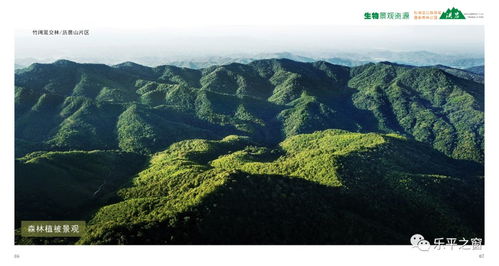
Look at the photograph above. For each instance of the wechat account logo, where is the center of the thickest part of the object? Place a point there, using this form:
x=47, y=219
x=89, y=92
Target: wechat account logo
x=418, y=241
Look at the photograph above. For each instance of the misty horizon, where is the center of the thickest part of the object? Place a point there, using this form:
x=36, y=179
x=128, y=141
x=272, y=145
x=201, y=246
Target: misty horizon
x=113, y=46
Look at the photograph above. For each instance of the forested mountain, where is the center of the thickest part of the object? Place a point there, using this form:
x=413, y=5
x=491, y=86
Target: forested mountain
x=271, y=152
x=477, y=69
x=472, y=73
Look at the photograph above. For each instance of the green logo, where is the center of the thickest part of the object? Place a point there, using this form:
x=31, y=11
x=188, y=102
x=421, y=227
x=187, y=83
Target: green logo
x=453, y=13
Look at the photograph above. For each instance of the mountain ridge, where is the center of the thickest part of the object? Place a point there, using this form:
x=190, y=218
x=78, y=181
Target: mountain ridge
x=270, y=152
x=418, y=58
x=283, y=88
x=225, y=192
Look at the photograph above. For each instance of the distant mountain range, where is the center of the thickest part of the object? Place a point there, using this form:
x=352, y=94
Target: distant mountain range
x=477, y=69
x=416, y=58
x=473, y=73
x=272, y=151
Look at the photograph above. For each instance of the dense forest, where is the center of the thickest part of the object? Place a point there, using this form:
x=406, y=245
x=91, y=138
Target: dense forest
x=270, y=152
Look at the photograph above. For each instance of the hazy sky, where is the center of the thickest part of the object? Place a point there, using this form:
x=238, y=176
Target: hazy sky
x=177, y=43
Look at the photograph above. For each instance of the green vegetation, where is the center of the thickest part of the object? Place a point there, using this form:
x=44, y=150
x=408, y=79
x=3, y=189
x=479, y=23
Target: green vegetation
x=427, y=104
x=331, y=187
x=272, y=152
x=85, y=106
x=69, y=185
